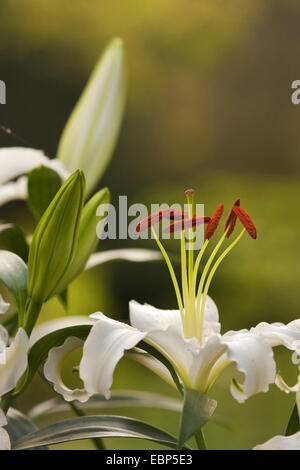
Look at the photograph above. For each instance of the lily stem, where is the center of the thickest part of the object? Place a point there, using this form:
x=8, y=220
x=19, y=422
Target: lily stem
x=201, y=444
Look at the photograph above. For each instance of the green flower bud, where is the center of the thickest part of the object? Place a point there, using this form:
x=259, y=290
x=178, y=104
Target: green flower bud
x=55, y=239
x=90, y=135
x=87, y=237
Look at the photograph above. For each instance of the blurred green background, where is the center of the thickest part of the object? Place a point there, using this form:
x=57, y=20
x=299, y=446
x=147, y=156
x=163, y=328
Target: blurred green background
x=208, y=107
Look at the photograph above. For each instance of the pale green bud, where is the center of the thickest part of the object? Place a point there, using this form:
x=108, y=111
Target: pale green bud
x=87, y=237
x=55, y=239
x=90, y=135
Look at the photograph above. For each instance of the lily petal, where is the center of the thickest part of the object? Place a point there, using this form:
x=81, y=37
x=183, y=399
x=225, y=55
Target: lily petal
x=137, y=255
x=104, y=347
x=165, y=333
x=4, y=437
x=279, y=334
x=15, y=362
x=4, y=306
x=254, y=357
x=13, y=191
x=52, y=372
x=281, y=443
x=57, y=324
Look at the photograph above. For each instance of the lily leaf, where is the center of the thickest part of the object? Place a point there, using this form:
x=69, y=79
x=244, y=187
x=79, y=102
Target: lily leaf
x=119, y=399
x=294, y=422
x=13, y=239
x=85, y=427
x=197, y=410
x=43, y=183
x=19, y=425
x=13, y=273
x=39, y=351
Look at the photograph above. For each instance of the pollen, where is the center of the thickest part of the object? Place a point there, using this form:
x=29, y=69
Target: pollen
x=231, y=219
x=214, y=222
x=246, y=221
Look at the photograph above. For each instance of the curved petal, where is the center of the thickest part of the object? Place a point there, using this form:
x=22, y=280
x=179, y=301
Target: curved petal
x=165, y=333
x=52, y=372
x=279, y=334
x=57, y=324
x=281, y=443
x=15, y=362
x=104, y=347
x=4, y=437
x=137, y=255
x=16, y=161
x=254, y=357
x=4, y=306
x=12, y=191
x=204, y=361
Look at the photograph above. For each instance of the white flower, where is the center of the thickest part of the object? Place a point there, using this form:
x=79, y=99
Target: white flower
x=4, y=437
x=197, y=365
x=4, y=306
x=284, y=442
x=18, y=161
x=13, y=359
x=189, y=337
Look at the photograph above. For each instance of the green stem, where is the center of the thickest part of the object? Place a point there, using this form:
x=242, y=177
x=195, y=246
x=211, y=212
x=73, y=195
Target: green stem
x=99, y=444
x=201, y=444
x=31, y=315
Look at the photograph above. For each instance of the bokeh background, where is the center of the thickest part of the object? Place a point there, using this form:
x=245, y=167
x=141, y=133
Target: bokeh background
x=208, y=107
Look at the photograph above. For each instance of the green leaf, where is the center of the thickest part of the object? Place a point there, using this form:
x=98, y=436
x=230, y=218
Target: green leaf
x=43, y=184
x=18, y=425
x=197, y=410
x=294, y=422
x=39, y=351
x=13, y=239
x=86, y=427
x=13, y=273
x=90, y=135
x=119, y=399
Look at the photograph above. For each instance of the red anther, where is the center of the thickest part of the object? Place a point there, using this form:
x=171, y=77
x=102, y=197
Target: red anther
x=231, y=219
x=187, y=223
x=152, y=219
x=214, y=222
x=246, y=221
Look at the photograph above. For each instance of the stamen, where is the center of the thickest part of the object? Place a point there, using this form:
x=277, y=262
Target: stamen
x=212, y=272
x=156, y=217
x=187, y=223
x=214, y=222
x=172, y=274
x=246, y=221
x=231, y=219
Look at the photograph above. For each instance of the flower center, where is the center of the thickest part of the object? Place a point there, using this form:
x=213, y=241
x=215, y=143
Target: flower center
x=192, y=296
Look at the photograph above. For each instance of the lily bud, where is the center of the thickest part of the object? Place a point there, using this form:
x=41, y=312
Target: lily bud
x=87, y=237
x=55, y=239
x=90, y=135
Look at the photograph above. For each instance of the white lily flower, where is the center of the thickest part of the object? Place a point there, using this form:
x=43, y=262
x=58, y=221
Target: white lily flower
x=18, y=161
x=284, y=442
x=188, y=337
x=13, y=359
x=4, y=437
